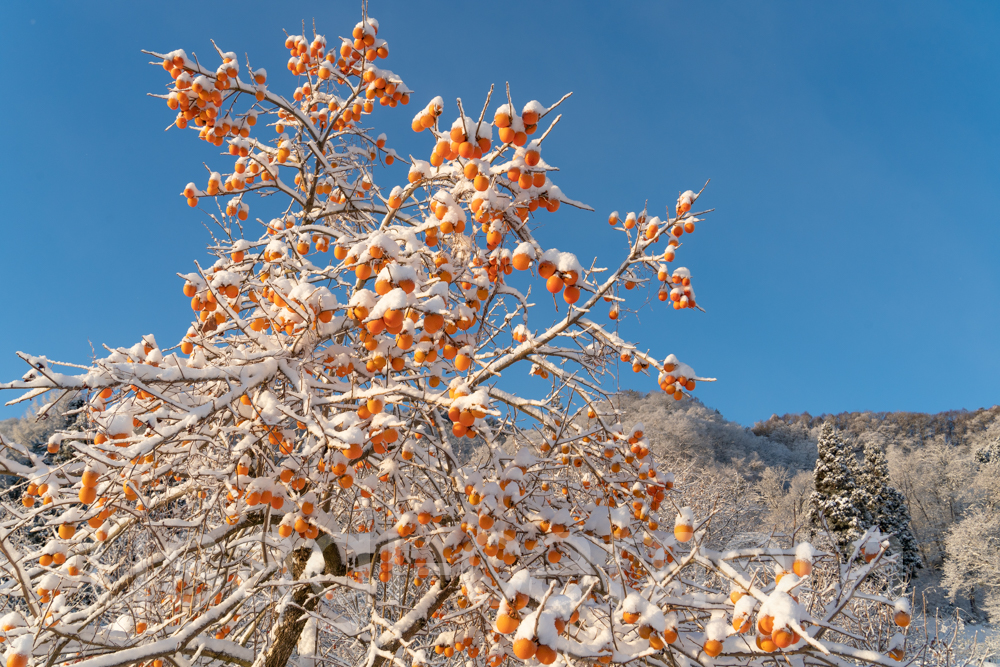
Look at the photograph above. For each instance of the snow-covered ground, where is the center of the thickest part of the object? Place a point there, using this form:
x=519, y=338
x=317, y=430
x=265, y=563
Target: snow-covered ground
x=952, y=620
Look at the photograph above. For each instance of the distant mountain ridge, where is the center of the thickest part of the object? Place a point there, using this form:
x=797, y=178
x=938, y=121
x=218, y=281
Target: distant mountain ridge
x=690, y=428
x=952, y=425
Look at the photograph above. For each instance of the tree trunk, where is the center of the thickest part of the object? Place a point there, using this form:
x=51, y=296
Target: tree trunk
x=294, y=618
x=286, y=635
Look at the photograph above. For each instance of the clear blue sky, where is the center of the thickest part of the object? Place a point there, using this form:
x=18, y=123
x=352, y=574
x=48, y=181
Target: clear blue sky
x=853, y=262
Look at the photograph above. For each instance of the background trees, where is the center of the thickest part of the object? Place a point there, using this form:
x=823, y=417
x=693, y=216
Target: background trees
x=972, y=544
x=837, y=501
x=932, y=457
x=973, y=553
x=886, y=505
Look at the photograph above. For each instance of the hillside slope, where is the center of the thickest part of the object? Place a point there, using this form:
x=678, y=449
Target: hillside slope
x=933, y=461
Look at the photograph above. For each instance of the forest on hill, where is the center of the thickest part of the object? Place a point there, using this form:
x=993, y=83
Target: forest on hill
x=945, y=464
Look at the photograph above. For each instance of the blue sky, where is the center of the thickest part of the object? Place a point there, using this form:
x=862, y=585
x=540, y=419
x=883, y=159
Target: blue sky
x=853, y=148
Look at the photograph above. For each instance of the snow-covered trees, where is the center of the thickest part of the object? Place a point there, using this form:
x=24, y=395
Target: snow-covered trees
x=787, y=499
x=851, y=496
x=972, y=565
x=41, y=421
x=972, y=545
x=283, y=480
x=837, y=499
x=886, y=505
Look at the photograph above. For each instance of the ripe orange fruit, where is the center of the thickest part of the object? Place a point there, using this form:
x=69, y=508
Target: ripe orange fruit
x=784, y=638
x=545, y=654
x=433, y=322
x=713, y=647
x=506, y=624
x=525, y=649
x=766, y=644
x=89, y=478
x=802, y=567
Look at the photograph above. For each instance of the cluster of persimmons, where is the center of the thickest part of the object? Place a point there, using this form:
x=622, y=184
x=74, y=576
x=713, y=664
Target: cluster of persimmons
x=304, y=451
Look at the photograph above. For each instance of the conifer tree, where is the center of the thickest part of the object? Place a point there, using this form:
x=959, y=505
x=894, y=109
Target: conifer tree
x=989, y=452
x=836, y=496
x=861, y=495
x=886, y=505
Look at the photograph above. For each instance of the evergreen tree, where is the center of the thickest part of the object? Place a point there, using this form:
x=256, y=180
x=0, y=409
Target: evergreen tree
x=836, y=495
x=887, y=505
x=988, y=453
x=33, y=431
x=861, y=496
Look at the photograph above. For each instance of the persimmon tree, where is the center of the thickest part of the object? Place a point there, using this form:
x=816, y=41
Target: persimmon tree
x=287, y=479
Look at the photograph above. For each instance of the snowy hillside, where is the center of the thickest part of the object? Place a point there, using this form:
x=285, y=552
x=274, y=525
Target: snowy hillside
x=935, y=460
